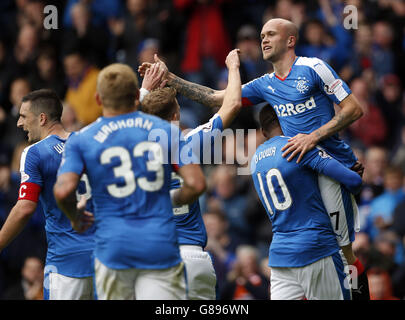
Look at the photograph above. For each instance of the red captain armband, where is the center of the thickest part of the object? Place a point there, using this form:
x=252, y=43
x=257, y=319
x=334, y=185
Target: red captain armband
x=246, y=102
x=29, y=191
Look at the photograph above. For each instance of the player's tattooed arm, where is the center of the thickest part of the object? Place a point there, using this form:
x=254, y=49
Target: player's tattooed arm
x=351, y=110
x=198, y=93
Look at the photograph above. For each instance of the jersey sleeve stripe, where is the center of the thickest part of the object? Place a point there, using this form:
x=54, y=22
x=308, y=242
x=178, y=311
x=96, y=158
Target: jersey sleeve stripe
x=324, y=73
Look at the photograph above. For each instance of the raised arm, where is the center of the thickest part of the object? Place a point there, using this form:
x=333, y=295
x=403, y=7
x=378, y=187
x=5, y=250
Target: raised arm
x=198, y=93
x=351, y=110
x=233, y=92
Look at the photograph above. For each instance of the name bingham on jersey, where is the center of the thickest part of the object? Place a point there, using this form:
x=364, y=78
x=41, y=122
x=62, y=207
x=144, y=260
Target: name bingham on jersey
x=112, y=126
x=269, y=152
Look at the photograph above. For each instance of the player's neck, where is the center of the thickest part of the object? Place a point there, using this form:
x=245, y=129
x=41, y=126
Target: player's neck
x=56, y=129
x=283, y=66
x=109, y=112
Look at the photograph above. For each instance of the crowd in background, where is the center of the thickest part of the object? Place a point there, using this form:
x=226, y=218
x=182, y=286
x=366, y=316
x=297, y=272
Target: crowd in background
x=193, y=37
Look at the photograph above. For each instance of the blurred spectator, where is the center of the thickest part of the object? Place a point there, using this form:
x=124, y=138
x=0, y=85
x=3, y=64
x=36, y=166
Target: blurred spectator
x=389, y=99
x=398, y=158
x=382, y=207
x=30, y=287
x=25, y=50
x=382, y=58
x=136, y=26
x=101, y=10
x=380, y=285
x=82, y=83
x=225, y=190
x=8, y=185
x=92, y=39
x=326, y=39
x=219, y=244
x=11, y=135
x=245, y=280
x=207, y=42
x=375, y=163
x=252, y=63
x=371, y=128
x=286, y=9
x=48, y=72
x=361, y=248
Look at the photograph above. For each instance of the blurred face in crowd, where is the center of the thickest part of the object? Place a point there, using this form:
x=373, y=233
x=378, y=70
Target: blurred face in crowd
x=80, y=16
x=19, y=88
x=383, y=34
x=360, y=90
x=214, y=225
x=247, y=261
x=32, y=270
x=74, y=66
x=136, y=6
x=393, y=180
x=376, y=161
x=27, y=38
x=377, y=286
x=46, y=66
x=314, y=34
x=29, y=122
x=225, y=182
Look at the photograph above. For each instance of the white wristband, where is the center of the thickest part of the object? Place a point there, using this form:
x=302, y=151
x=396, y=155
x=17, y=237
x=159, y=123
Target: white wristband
x=142, y=93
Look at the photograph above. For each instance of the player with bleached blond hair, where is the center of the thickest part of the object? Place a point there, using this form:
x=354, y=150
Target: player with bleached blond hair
x=136, y=252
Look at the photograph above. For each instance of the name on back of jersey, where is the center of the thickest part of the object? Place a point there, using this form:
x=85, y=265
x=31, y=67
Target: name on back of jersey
x=269, y=152
x=289, y=109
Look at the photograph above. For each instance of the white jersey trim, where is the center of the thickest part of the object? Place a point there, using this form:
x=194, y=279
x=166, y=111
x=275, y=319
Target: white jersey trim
x=324, y=73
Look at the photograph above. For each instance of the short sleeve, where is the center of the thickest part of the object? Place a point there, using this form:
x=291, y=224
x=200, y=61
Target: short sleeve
x=251, y=93
x=72, y=160
x=205, y=140
x=329, y=82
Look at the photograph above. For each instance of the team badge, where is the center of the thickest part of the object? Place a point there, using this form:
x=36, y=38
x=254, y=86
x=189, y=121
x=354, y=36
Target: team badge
x=302, y=84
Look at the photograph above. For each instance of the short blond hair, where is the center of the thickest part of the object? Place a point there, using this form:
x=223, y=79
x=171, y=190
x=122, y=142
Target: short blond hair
x=117, y=86
x=161, y=103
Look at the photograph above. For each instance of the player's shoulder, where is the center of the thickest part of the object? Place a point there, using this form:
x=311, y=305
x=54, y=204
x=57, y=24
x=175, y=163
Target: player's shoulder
x=259, y=80
x=310, y=62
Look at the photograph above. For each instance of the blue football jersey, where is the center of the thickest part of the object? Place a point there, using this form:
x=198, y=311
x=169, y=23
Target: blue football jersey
x=129, y=173
x=189, y=222
x=302, y=231
x=304, y=101
x=69, y=253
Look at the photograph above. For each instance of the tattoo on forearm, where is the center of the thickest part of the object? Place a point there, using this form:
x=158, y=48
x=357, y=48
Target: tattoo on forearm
x=195, y=92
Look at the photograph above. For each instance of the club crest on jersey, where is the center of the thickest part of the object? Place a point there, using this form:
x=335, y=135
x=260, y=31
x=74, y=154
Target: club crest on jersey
x=302, y=84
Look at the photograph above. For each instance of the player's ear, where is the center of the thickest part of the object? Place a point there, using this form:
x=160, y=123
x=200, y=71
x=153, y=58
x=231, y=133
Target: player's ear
x=291, y=41
x=98, y=99
x=43, y=119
